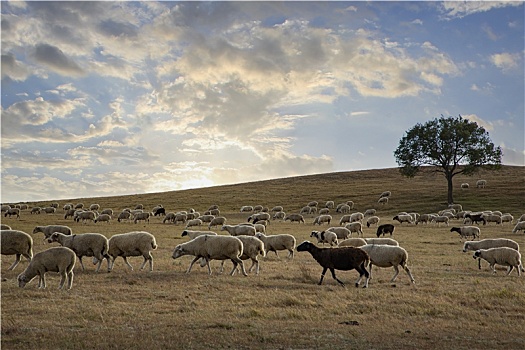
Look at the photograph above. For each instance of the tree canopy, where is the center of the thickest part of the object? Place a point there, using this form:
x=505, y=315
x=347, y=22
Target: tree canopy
x=452, y=145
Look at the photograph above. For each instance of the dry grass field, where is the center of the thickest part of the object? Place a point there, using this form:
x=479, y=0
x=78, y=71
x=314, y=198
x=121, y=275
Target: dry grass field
x=453, y=305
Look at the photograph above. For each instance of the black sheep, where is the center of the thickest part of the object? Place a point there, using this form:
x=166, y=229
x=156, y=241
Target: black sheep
x=159, y=212
x=475, y=218
x=385, y=228
x=344, y=258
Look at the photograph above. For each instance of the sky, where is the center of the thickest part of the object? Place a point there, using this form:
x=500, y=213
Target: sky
x=114, y=98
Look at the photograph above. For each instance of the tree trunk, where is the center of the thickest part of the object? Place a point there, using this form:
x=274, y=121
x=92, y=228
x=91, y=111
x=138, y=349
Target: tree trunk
x=449, y=183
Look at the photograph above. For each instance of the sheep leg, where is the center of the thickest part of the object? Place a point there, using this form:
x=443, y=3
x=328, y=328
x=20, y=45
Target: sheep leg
x=17, y=260
x=291, y=254
x=335, y=278
x=493, y=267
x=127, y=262
x=63, y=276
x=322, y=275
x=479, y=263
x=194, y=261
x=409, y=274
x=509, y=270
x=362, y=271
x=81, y=263
x=236, y=262
x=147, y=258
x=70, y=279
x=42, y=280
x=395, y=275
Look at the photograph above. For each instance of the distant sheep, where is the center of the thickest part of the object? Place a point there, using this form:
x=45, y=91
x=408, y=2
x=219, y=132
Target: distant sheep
x=507, y=218
x=501, y=256
x=441, y=219
x=246, y=208
x=325, y=237
x=373, y=220
x=387, y=256
x=467, y=231
x=383, y=200
x=294, y=217
x=57, y=259
x=382, y=241
x=424, y=218
x=277, y=208
x=49, y=229
x=357, y=217
x=352, y=242
x=94, y=207
x=492, y=218
x=322, y=219
x=259, y=217
x=144, y=216
x=36, y=210
x=85, y=216
x=280, y=215
x=278, y=242
x=330, y=204
x=384, y=229
x=207, y=218
x=370, y=212
x=14, y=242
x=313, y=204
x=344, y=219
x=465, y=185
x=481, y=183
x=385, y=194
x=252, y=247
x=356, y=227
x=103, y=218
x=169, y=217
x=341, y=232
x=107, y=211
x=404, y=218
x=136, y=243
x=194, y=234
x=158, y=211
x=13, y=211
x=520, y=226
x=324, y=211
x=237, y=230
x=194, y=222
x=125, y=215
x=218, y=221
x=474, y=218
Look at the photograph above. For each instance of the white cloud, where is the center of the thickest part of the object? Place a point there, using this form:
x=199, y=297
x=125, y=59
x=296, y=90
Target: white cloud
x=487, y=125
x=460, y=9
x=505, y=61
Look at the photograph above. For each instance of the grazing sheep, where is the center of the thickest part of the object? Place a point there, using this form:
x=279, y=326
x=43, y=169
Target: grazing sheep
x=382, y=241
x=14, y=242
x=139, y=207
x=522, y=218
x=57, y=259
x=79, y=206
x=457, y=207
x=344, y=259
x=252, y=247
x=278, y=242
x=357, y=217
x=49, y=210
x=424, y=218
x=325, y=237
x=356, y=227
x=404, y=218
x=467, y=231
x=86, y=244
x=481, y=183
x=193, y=234
x=294, y=217
x=218, y=221
x=441, y=219
x=194, y=222
x=85, y=216
x=103, y=218
x=385, y=194
x=246, y=208
x=322, y=219
x=520, y=226
x=36, y=210
x=124, y=215
x=492, y=218
x=343, y=208
x=350, y=203
x=13, y=211
x=237, y=230
x=5, y=227
x=305, y=210
x=144, y=216
x=158, y=211
x=277, y=208
x=180, y=217
x=324, y=211
x=490, y=243
x=370, y=212
x=107, y=211
x=136, y=243
x=169, y=217
x=212, y=247
x=214, y=212
x=344, y=219
x=94, y=207
x=373, y=220
x=507, y=218
x=474, y=218
x=383, y=200
x=387, y=256
x=280, y=215
x=313, y=204
x=49, y=229
x=352, y=242
x=330, y=204
x=384, y=229
x=465, y=185
x=259, y=217
x=502, y=256
x=341, y=232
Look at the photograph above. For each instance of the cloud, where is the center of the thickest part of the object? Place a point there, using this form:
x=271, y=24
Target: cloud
x=488, y=126
x=505, y=61
x=460, y=9
x=53, y=58
x=13, y=69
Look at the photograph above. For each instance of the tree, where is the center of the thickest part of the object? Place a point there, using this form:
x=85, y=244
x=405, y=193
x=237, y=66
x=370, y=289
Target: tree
x=451, y=146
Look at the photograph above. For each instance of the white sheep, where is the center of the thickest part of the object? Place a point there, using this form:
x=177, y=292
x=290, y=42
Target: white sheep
x=19, y=243
x=237, y=230
x=344, y=219
x=259, y=217
x=212, y=247
x=277, y=208
x=356, y=227
x=103, y=218
x=278, y=242
x=330, y=204
x=343, y=208
x=136, y=243
x=207, y=218
x=385, y=194
x=217, y=221
x=352, y=242
x=57, y=259
x=194, y=234
x=322, y=219
x=370, y=212
x=404, y=218
x=341, y=232
x=49, y=229
x=467, y=231
x=373, y=220
x=246, y=208
x=194, y=222
x=313, y=204
x=424, y=218
x=441, y=219
x=294, y=217
x=507, y=218
x=85, y=216
x=49, y=210
x=169, y=217
x=325, y=237
x=522, y=218
x=86, y=244
x=124, y=215
x=144, y=216
x=492, y=218
x=107, y=211
x=252, y=247
x=387, y=256
x=13, y=211
x=357, y=217
x=280, y=215
x=481, y=183
x=520, y=226
x=382, y=241
x=490, y=243
x=383, y=200
x=94, y=207
x=36, y=210
x=502, y=256
x=181, y=217
x=305, y=210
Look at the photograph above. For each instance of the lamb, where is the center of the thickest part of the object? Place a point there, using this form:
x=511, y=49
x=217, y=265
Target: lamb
x=134, y=243
x=384, y=229
x=278, y=242
x=14, y=242
x=382, y=241
x=520, y=226
x=194, y=222
x=218, y=221
x=502, y=256
x=212, y=247
x=345, y=259
x=50, y=229
x=373, y=220
x=236, y=230
x=85, y=216
x=387, y=256
x=356, y=227
x=103, y=218
x=325, y=237
x=404, y=218
x=194, y=234
x=383, y=200
x=352, y=242
x=467, y=231
x=322, y=219
x=295, y=217
x=490, y=243
x=13, y=211
x=481, y=183
x=522, y=218
x=252, y=247
x=57, y=259
x=86, y=244
x=144, y=216
x=341, y=232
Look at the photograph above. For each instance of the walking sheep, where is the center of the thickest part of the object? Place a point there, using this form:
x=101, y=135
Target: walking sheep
x=252, y=247
x=384, y=229
x=325, y=237
x=341, y=232
x=344, y=259
x=295, y=217
x=49, y=229
x=239, y=230
x=373, y=220
x=136, y=243
x=355, y=227
x=352, y=242
x=217, y=221
x=57, y=259
x=502, y=256
x=212, y=247
x=322, y=219
x=387, y=256
x=467, y=231
x=490, y=243
x=17, y=243
x=404, y=218
x=194, y=234
x=278, y=242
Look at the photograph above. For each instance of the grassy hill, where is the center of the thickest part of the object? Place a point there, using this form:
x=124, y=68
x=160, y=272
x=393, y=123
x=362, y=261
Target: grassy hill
x=452, y=305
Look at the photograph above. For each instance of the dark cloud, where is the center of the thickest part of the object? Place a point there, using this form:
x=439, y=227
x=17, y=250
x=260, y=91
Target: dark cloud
x=53, y=58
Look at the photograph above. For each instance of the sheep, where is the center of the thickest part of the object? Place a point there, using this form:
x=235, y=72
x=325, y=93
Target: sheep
x=252, y=247
x=474, y=218
x=103, y=218
x=278, y=242
x=14, y=242
x=424, y=218
x=49, y=229
x=404, y=218
x=385, y=194
x=214, y=212
x=490, y=243
x=330, y=204
x=85, y=216
x=325, y=237
x=214, y=206
x=212, y=247
x=13, y=211
x=294, y=217
x=144, y=216
x=492, y=218
x=36, y=210
x=107, y=211
x=218, y=221
x=345, y=259
x=370, y=212
x=373, y=220
x=350, y=203
x=158, y=211
x=57, y=259
x=259, y=217
x=180, y=217
x=94, y=207
x=5, y=227
x=305, y=210
x=467, y=231
x=343, y=208
x=383, y=200
x=344, y=219
x=356, y=227
x=194, y=222
x=313, y=204
x=134, y=243
x=260, y=228
x=522, y=218
x=193, y=234
x=239, y=230
x=520, y=226
x=257, y=208
x=465, y=185
x=49, y=210
x=387, y=256
x=441, y=219
x=246, y=208
x=86, y=244
x=357, y=217
x=139, y=206
x=382, y=241
x=280, y=215
x=124, y=215
x=324, y=211
x=385, y=228
x=481, y=183
x=277, y=208
x=341, y=232
x=169, y=217
x=322, y=219
x=507, y=218
x=352, y=242
x=502, y=256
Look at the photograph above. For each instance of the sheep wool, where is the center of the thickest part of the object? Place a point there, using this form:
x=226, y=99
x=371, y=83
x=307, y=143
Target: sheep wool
x=57, y=259
x=17, y=243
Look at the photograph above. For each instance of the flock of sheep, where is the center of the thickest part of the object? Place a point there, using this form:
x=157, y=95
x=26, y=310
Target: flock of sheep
x=248, y=240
